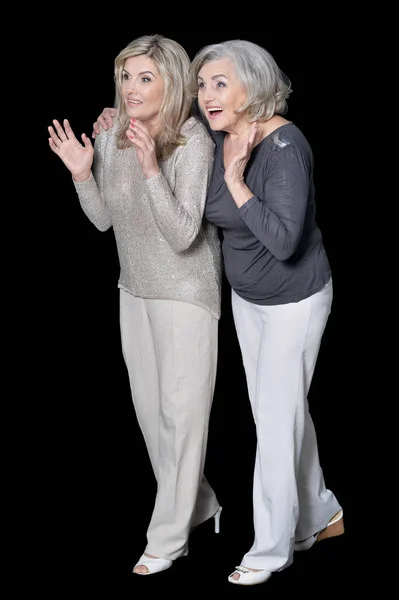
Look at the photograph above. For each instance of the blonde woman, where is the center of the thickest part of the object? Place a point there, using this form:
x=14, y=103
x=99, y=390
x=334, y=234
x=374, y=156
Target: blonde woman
x=147, y=178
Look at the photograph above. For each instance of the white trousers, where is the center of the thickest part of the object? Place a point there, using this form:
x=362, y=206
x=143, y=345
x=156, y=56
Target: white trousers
x=279, y=346
x=170, y=350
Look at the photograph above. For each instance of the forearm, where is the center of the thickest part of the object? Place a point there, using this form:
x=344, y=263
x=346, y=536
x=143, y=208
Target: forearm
x=92, y=203
x=173, y=219
x=280, y=236
x=276, y=213
x=240, y=192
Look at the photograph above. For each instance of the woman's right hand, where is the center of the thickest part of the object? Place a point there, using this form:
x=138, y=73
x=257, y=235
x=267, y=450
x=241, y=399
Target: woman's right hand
x=105, y=120
x=77, y=158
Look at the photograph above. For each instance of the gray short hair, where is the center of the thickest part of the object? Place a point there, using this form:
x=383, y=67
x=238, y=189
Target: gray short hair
x=268, y=88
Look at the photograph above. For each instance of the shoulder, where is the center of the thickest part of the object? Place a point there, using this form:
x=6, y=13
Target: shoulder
x=287, y=147
x=289, y=137
x=106, y=139
x=195, y=130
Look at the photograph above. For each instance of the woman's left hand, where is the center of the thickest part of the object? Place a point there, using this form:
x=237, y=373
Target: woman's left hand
x=234, y=173
x=144, y=145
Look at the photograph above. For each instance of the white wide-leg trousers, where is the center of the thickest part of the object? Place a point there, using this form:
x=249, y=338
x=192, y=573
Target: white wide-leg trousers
x=279, y=346
x=170, y=350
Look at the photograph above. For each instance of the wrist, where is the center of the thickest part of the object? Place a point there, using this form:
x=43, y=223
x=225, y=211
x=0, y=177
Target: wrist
x=240, y=192
x=81, y=177
x=236, y=184
x=151, y=174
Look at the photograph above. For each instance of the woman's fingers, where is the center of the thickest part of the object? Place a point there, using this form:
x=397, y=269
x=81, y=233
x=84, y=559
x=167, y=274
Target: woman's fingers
x=141, y=129
x=60, y=134
x=68, y=129
x=54, y=140
x=137, y=140
x=60, y=131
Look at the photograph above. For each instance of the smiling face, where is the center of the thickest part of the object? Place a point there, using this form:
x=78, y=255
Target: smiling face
x=142, y=89
x=220, y=93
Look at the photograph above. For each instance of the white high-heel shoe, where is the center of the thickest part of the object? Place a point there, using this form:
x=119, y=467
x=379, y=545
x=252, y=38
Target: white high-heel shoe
x=248, y=577
x=154, y=565
x=334, y=528
x=216, y=518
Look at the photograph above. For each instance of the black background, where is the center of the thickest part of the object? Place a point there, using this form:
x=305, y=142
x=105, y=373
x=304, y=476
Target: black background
x=90, y=475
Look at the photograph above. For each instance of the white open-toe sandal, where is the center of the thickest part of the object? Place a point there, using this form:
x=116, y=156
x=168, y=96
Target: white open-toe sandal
x=154, y=565
x=248, y=577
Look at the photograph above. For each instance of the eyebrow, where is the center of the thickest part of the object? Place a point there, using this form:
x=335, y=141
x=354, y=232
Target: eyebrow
x=141, y=72
x=215, y=76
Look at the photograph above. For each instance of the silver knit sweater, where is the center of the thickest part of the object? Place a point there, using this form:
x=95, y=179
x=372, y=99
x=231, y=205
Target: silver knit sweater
x=166, y=250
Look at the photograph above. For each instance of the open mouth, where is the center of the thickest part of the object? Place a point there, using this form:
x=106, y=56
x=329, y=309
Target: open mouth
x=214, y=113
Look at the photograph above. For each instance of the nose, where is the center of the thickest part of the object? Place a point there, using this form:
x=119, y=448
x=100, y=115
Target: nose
x=208, y=94
x=132, y=86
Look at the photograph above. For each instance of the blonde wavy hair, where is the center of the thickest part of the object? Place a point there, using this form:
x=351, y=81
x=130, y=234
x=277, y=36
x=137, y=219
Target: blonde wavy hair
x=173, y=64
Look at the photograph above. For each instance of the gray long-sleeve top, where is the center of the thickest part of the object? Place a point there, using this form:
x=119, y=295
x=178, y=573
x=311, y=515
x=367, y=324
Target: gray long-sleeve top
x=166, y=249
x=272, y=247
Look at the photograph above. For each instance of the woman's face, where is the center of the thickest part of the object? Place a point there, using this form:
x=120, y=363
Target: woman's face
x=142, y=88
x=220, y=93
